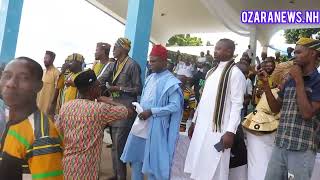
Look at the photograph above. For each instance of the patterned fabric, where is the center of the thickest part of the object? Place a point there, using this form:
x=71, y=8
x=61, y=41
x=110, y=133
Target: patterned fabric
x=189, y=105
x=281, y=70
x=309, y=43
x=295, y=133
x=81, y=123
x=66, y=93
x=221, y=96
x=124, y=43
x=34, y=145
x=75, y=57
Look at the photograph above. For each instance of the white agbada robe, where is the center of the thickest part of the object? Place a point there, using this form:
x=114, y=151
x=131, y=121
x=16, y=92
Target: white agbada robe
x=203, y=161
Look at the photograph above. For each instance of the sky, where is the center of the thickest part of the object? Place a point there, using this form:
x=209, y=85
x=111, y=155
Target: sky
x=65, y=27
x=75, y=26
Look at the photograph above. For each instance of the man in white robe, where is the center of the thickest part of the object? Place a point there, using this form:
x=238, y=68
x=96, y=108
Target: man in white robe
x=203, y=161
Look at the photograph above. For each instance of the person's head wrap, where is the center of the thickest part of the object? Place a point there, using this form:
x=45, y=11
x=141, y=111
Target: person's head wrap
x=124, y=43
x=309, y=43
x=103, y=45
x=75, y=57
x=85, y=79
x=281, y=71
x=159, y=51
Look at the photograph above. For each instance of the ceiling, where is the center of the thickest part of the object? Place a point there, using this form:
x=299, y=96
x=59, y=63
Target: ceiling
x=206, y=16
x=180, y=16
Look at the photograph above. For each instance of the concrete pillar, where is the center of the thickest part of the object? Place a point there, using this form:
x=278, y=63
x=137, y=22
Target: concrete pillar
x=253, y=44
x=10, y=15
x=138, y=28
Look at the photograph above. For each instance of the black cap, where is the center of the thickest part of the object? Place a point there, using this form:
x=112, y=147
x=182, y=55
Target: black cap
x=85, y=79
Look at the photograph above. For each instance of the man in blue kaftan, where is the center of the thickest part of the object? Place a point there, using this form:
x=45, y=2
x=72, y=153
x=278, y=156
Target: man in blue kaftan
x=162, y=103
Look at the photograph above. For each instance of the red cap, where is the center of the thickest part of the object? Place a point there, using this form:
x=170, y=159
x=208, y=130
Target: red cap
x=159, y=51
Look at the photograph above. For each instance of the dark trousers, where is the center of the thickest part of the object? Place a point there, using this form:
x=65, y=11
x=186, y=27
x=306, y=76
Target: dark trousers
x=119, y=137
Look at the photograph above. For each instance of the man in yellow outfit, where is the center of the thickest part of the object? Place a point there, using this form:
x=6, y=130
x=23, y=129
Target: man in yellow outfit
x=49, y=79
x=65, y=88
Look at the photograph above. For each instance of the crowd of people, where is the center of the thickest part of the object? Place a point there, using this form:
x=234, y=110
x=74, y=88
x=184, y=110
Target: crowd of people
x=209, y=118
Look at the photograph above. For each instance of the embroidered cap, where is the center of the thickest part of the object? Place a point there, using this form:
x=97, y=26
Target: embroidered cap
x=75, y=57
x=309, y=43
x=103, y=45
x=124, y=43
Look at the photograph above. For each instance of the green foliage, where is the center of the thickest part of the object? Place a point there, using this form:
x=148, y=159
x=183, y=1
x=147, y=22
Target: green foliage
x=184, y=40
x=293, y=35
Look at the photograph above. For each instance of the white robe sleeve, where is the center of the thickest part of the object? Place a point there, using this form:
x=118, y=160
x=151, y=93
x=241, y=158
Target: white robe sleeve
x=237, y=92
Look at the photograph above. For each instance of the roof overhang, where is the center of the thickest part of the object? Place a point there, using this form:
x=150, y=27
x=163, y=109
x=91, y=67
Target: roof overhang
x=172, y=17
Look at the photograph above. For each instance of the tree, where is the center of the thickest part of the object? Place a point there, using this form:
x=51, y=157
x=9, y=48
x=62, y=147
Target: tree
x=184, y=40
x=293, y=35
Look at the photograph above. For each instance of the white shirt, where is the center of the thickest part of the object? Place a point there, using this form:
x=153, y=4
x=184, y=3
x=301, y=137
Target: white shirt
x=249, y=87
x=319, y=69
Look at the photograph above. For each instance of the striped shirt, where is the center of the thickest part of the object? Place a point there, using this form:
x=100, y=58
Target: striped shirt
x=31, y=146
x=190, y=104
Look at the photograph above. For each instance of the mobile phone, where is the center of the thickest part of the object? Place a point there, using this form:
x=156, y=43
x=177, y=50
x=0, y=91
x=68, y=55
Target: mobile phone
x=219, y=146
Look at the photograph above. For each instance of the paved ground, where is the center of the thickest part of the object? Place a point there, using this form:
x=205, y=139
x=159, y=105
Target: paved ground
x=106, y=161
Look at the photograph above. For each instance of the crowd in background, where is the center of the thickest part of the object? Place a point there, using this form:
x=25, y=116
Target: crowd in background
x=52, y=121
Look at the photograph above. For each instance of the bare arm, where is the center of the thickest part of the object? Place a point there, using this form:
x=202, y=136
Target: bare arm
x=54, y=102
x=274, y=104
x=307, y=108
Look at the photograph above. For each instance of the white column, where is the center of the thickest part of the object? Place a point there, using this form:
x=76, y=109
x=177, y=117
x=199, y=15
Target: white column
x=253, y=44
x=265, y=48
